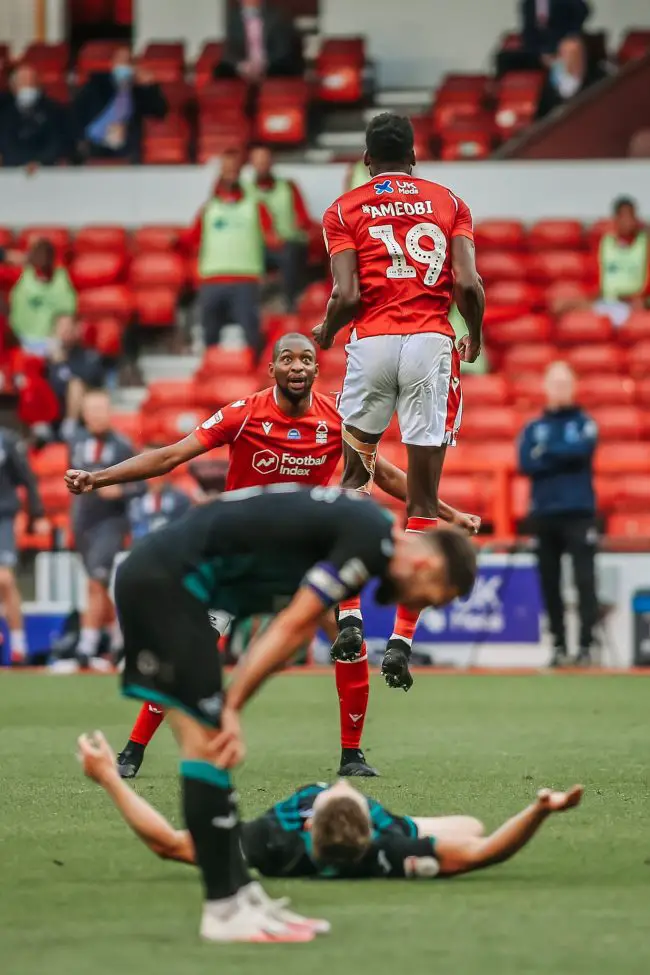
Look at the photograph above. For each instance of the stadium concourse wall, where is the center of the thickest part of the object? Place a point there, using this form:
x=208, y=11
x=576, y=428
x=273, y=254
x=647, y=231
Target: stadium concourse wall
x=131, y=197
x=499, y=625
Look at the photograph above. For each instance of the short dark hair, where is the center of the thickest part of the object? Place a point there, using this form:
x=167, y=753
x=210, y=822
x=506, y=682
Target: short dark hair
x=389, y=138
x=621, y=202
x=291, y=337
x=459, y=555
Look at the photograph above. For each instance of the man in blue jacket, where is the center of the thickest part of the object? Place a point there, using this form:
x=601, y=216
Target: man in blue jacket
x=556, y=452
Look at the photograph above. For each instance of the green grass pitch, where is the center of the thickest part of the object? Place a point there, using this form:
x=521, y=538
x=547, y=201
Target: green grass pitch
x=80, y=896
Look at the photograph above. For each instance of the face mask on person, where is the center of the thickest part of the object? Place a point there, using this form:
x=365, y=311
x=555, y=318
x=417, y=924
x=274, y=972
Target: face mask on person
x=122, y=73
x=26, y=97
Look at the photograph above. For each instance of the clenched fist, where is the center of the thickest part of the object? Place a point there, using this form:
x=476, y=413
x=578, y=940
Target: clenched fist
x=79, y=482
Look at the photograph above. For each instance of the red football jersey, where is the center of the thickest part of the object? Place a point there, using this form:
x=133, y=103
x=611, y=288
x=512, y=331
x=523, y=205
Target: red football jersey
x=401, y=228
x=269, y=447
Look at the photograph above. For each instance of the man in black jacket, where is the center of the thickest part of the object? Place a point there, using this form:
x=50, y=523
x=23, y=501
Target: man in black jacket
x=110, y=108
x=14, y=473
x=260, y=42
x=569, y=75
x=556, y=451
x=31, y=124
x=545, y=23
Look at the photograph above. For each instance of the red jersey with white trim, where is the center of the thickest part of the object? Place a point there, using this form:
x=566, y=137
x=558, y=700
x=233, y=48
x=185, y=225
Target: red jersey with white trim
x=269, y=447
x=401, y=228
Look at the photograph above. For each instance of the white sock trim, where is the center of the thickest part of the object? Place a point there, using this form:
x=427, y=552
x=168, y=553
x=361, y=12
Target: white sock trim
x=355, y=613
x=404, y=639
x=355, y=661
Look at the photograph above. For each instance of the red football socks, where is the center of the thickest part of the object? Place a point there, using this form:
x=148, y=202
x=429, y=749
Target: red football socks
x=147, y=724
x=406, y=620
x=350, y=607
x=352, y=685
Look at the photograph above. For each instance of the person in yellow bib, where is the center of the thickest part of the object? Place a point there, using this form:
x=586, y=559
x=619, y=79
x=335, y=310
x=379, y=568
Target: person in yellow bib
x=231, y=234
x=291, y=219
x=624, y=264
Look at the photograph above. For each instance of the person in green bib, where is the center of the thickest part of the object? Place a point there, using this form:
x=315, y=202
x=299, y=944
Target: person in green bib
x=230, y=234
x=356, y=175
x=42, y=293
x=624, y=264
x=291, y=220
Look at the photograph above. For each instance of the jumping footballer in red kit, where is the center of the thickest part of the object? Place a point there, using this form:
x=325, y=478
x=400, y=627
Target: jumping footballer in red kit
x=285, y=434
x=401, y=247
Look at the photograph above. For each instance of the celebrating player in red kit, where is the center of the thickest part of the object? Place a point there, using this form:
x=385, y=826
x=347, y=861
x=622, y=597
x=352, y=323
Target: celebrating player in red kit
x=283, y=434
x=400, y=247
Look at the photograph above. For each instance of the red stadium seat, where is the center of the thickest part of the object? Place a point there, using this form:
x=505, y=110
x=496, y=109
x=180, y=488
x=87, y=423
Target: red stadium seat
x=636, y=328
x=480, y=391
x=170, y=425
x=549, y=266
x=500, y=234
x=631, y=493
x=639, y=359
x=492, y=453
x=96, y=56
x=224, y=93
x=490, y=422
x=502, y=265
x=556, y=235
x=451, y=105
x=606, y=493
x=108, y=332
x=218, y=361
x=622, y=457
x=51, y=461
x=54, y=495
x=629, y=525
x=642, y=390
x=462, y=492
x=527, y=328
x=170, y=150
x=155, y=307
x=129, y=425
x=6, y=237
x=562, y=294
x=171, y=393
x=583, y=326
x=422, y=136
x=41, y=54
x=604, y=389
x=114, y=300
x=58, y=90
x=619, y=423
x=527, y=390
x=313, y=300
x=517, y=101
x=471, y=137
x=221, y=390
x=282, y=112
x=528, y=358
x=178, y=95
x=210, y=56
x=525, y=297
x=520, y=497
x=96, y=269
x=636, y=45
x=339, y=70
x=156, y=237
x=157, y=268
x=595, y=358
x=101, y=238
x=165, y=61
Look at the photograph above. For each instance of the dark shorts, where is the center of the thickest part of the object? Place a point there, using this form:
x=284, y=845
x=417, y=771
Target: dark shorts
x=8, y=550
x=170, y=648
x=98, y=545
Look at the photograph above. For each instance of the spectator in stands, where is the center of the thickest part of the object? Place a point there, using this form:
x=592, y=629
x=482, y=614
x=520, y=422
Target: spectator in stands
x=624, y=264
x=161, y=504
x=42, y=292
x=569, y=75
x=545, y=23
x=31, y=124
x=72, y=371
x=110, y=108
x=291, y=221
x=15, y=472
x=357, y=175
x=556, y=452
x=260, y=41
x=100, y=524
x=230, y=234
x=639, y=147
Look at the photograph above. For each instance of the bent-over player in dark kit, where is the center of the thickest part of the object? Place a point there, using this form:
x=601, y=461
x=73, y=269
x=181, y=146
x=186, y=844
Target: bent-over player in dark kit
x=281, y=550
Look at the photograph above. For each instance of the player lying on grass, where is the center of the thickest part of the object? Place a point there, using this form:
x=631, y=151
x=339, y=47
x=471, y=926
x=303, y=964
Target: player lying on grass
x=253, y=552
x=286, y=433
x=335, y=831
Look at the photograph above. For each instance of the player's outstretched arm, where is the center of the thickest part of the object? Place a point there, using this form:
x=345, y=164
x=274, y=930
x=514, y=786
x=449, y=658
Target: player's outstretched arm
x=344, y=302
x=392, y=480
x=98, y=762
x=474, y=853
x=152, y=463
x=469, y=295
x=290, y=630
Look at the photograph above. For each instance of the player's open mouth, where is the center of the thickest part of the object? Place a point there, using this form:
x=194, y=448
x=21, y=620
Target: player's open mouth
x=297, y=383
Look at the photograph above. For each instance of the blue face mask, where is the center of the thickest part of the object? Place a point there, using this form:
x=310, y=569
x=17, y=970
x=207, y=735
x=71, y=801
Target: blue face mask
x=122, y=73
x=26, y=97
